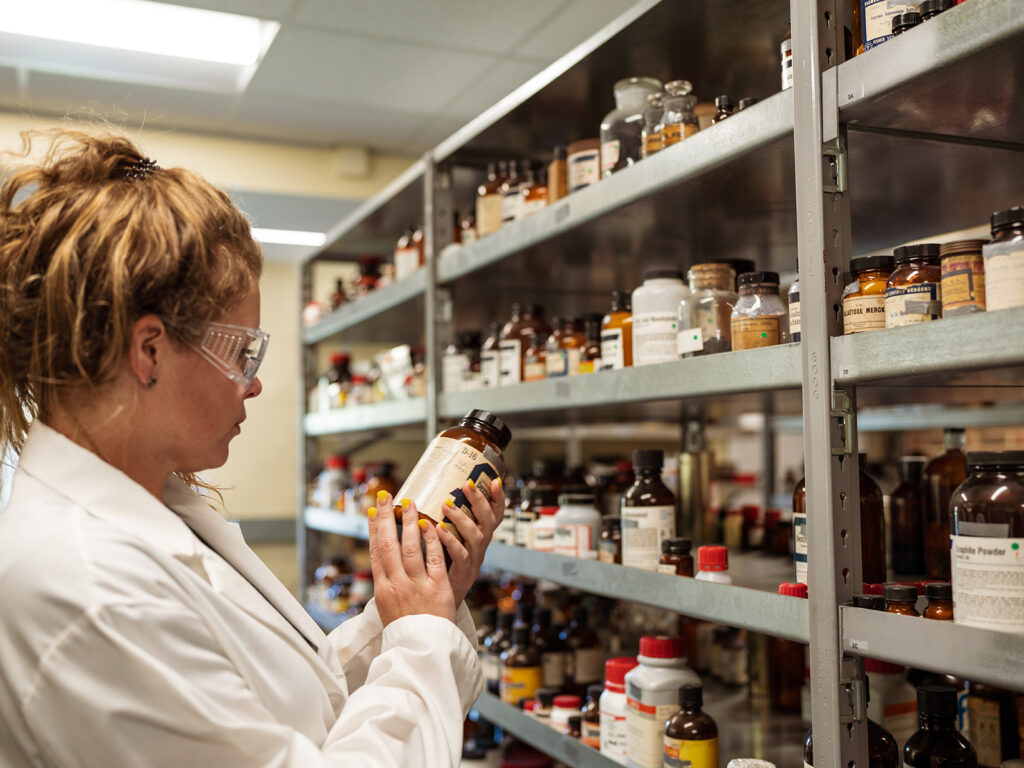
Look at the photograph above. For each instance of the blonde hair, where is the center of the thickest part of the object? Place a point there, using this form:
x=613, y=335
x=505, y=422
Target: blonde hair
x=87, y=246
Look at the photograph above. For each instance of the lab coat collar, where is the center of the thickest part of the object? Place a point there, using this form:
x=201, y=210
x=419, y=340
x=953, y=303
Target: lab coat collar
x=87, y=481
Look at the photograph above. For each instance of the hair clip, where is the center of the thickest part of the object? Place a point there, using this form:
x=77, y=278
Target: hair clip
x=136, y=170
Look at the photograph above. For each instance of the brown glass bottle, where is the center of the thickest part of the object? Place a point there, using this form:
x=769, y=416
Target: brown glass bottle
x=787, y=662
x=590, y=356
x=648, y=513
x=901, y=599
x=553, y=651
x=586, y=660
x=610, y=548
x=494, y=645
x=617, y=334
x=691, y=735
x=940, y=478
x=565, y=348
x=676, y=557
x=940, y=601
x=490, y=357
x=558, y=175
x=521, y=670
x=992, y=723
x=574, y=727
x=906, y=510
x=488, y=200
x=382, y=479
x=535, y=362
x=515, y=339
x=883, y=750
x=591, y=734
x=938, y=742
x=872, y=528
x=724, y=107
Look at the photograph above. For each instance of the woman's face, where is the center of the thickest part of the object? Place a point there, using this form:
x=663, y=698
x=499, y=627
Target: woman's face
x=206, y=408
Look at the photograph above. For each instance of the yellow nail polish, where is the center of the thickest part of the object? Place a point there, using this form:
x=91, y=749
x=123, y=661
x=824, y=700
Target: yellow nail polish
x=406, y=503
x=382, y=497
x=499, y=481
x=371, y=512
x=443, y=526
x=423, y=525
x=471, y=483
x=449, y=503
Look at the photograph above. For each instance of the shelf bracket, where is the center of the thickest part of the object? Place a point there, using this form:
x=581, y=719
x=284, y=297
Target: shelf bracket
x=852, y=699
x=835, y=177
x=842, y=415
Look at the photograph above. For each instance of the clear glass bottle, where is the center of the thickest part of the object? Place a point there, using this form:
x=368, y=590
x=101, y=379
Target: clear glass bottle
x=757, y=314
x=621, y=128
x=707, y=310
x=1004, y=260
x=940, y=478
x=651, y=133
x=678, y=119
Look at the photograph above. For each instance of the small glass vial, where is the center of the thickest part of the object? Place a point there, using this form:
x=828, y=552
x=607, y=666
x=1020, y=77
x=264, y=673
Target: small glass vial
x=794, y=311
x=940, y=601
x=963, y=277
x=535, y=362
x=621, y=128
x=864, y=297
x=691, y=735
x=467, y=229
x=574, y=728
x=676, y=558
x=1004, y=260
x=651, y=132
x=590, y=357
x=678, y=121
x=901, y=599
x=533, y=195
x=705, y=316
x=566, y=706
x=610, y=548
x=757, y=315
x=724, y=107
x=912, y=293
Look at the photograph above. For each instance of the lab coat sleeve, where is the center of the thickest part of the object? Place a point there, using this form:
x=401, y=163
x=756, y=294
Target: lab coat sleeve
x=147, y=685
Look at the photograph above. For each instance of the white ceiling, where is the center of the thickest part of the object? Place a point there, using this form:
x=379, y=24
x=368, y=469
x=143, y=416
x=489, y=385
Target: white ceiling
x=396, y=76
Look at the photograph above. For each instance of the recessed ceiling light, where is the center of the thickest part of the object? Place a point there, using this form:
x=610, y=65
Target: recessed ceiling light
x=289, y=237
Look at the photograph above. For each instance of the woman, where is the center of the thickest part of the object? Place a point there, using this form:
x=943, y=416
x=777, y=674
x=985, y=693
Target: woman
x=136, y=627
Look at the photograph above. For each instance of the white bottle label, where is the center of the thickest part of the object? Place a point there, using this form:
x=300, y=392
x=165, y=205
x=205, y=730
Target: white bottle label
x=453, y=372
x=440, y=473
x=490, y=368
x=988, y=582
x=543, y=537
x=645, y=733
x=800, y=547
x=488, y=214
x=689, y=340
x=584, y=169
x=572, y=361
x=407, y=261
x=877, y=20
x=613, y=353
x=610, y=152
x=787, y=72
x=492, y=668
x=613, y=736
x=524, y=528
x=794, y=318
x=558, y=363
x=643, y=529
x=573, y=540
x=863, y=313
x=1004, y=275
x=530, y=207
x=510, y=360
x=912, y=304
x=509, y=206
x=667, y=568
x=654, y=337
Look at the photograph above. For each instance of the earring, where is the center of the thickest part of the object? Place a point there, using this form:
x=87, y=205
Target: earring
x=151, y=383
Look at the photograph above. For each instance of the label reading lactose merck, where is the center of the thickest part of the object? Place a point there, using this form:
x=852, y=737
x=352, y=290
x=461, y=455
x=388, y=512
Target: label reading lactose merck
x=440, y=473
x=863, y=313
x=988, y=582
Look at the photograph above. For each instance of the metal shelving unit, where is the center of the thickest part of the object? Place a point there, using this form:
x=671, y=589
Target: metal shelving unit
x=331, y=521
x=911, y=139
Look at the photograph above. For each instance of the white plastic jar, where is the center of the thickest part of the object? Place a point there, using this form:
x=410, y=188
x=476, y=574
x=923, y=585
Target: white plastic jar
x=565, y=707
x=577, y=526
x=544, y=529
x=613, y=708
x=652, y=697
x=655, y=316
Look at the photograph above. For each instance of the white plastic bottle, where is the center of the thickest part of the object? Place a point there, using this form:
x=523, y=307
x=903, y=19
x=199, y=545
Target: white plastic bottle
x=655, y=316
x=613, y=708
x=713, y=564
x=652, y=697
x=544, y=529
x=577, y=526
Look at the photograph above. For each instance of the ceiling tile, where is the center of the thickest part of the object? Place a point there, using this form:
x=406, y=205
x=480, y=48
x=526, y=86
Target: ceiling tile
x=339, y=69
x=492, y=86
x=491, y=27
x=572, y=25
x=262, y=9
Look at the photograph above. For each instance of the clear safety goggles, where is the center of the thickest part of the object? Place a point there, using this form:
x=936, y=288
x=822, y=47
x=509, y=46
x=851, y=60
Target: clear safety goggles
x=234, y=350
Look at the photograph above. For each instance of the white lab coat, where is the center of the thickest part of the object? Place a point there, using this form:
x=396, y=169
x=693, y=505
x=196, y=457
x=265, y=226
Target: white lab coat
x=126, y=641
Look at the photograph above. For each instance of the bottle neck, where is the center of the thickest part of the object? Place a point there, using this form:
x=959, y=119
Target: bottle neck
x=937, y=723
x=1007, y=231
x=648, y=474
x=955, y=440
x=631, y=98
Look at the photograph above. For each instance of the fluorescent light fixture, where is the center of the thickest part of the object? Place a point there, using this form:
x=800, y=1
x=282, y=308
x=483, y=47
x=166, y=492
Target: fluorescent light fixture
x=135, y=41
x=289, y=237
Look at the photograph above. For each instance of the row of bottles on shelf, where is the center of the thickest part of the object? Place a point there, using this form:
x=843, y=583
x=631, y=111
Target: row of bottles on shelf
x=340, y=589
x=355, y=491
x=398, y=373
x=874, y=22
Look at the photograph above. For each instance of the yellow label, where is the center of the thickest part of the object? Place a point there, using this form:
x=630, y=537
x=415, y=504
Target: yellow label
x=753, y=332
x=520, y=683
x=963, y=284
x=652, y=143
x=589, y=366
x=671, y=134
x=863, y=313
x=691, y=754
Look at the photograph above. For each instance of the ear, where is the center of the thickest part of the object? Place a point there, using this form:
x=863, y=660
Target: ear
x=147, y=349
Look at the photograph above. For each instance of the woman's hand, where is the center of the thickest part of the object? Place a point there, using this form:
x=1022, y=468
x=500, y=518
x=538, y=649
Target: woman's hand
x=468, y=555
x=405, y=581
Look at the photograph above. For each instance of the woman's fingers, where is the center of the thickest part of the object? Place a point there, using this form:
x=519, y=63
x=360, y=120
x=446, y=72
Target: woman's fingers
x=412, y=555
x=386, y=548
x=497, y=501
x=435, y=555
x=456, y=549
x=468, y=529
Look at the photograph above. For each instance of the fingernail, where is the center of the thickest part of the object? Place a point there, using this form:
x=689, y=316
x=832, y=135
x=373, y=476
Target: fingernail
x=471, y=483
x=406, y=503
x=499, y=481
x=423, y=525
x=443, y=526
x=382, y=497
x=449, y=503
x=371, y=512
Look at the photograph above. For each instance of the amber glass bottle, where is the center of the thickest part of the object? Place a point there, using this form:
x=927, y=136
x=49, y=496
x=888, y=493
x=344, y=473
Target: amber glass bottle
x=872, y=528
x=676, y=558
x=901, y=599
x=938, y=742
x=617, y=333
x=590, y=357
x=691, y=735
x=535, y=363
x=494, y=645
x=591, y=733
x=648, y=513
x=883, y=750
x=521, y=671
x=992, y=724
x=940, y=478
x=906, y=509
x=586, y=659
x=940, y=601
x=488, y=200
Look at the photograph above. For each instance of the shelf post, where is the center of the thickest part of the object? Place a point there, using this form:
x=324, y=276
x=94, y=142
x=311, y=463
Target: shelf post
x=438, y=212
x=830, y=441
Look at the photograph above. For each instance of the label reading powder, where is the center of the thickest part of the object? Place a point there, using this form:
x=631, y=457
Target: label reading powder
x=1004, y=275
x=753, y=332
x=613, y=355
x=988, y=582
x=912, y=304
x=440, y=473
x=654, y=337
x=863, y=313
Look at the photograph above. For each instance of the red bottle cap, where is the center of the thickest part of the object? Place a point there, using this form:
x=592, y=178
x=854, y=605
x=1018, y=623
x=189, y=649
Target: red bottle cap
x=547, y=511
x=337, y=462
x=712, y=558
x=566, y=701
x=772, y=516
x=792, y=589
x=529, y=706
x=615, y=672
x=874, y=589
x=661, y=647
x=363, y=575
x=751, y=511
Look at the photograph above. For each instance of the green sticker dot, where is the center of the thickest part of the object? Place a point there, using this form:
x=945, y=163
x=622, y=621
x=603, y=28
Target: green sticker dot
x=1015, y=545
x=764, y=334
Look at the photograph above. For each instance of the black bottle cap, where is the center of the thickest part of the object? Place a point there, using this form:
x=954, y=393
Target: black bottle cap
x=1009, y=216
x=648, y=459
x=575, y=722
x=691, y=696
x=900, y=593
x=916, y=251
x=938, y=590
x=676, y=546
x=524, y=614
x=747, y=101
x=931, y=8
x=872, y=602
x=535, y=309
x=494, y=422
x=595, y=691
x=937, y=701
x=521, y=635
x=995, y=458
x=750, y=278
x=663, y=272
x=739, y=266
x=506, y=620
x=864, y=263
x=546, y=696
x=724, y=102
x=901, y=22
x=542, y=497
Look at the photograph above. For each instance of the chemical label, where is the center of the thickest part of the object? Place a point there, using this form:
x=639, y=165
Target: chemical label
x=544, y=538
x=794, y=317
x=572, y=361
x=510, y=359
x=863, y=313
x=787, y=72
x=606, y=552
x=667, y=568
x=492, y=668
x=530, y=207
x=534, y=370
x=753, y=332
x=613, y=353
x=652, y=143
x=963, y=285
x=988, y=582
x=453, y=371
x=800, y=546
x=589, y=366
x=558, y=363
x=573, y=540
x=588, y=665
x=1004, y=275
x=671, y=134
x=519, y=683
x=613, y=736
x=654, y=337
x=689, y=340
x=488, y=214
x=524, y=521
x=690, y=754
x=553, y=664
x=590, y=734
x=407, y=261
x=490, y=368
x=645, y=732
x=912, y=304
x=610, y=151
x=643, y=529
x=509, y=206
x=584, y=169
x=877, y=20
x=986, y=737
x=440, y=473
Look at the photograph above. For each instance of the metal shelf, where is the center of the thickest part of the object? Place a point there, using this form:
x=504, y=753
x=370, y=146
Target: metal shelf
x=755, y=370
x=737, y=606
x=929, y=416
x=356, y=418
x=341, y=523
x=980, y=655
x=372, y=318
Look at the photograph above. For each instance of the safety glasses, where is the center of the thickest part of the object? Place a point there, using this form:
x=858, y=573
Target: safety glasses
x=234, y=350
